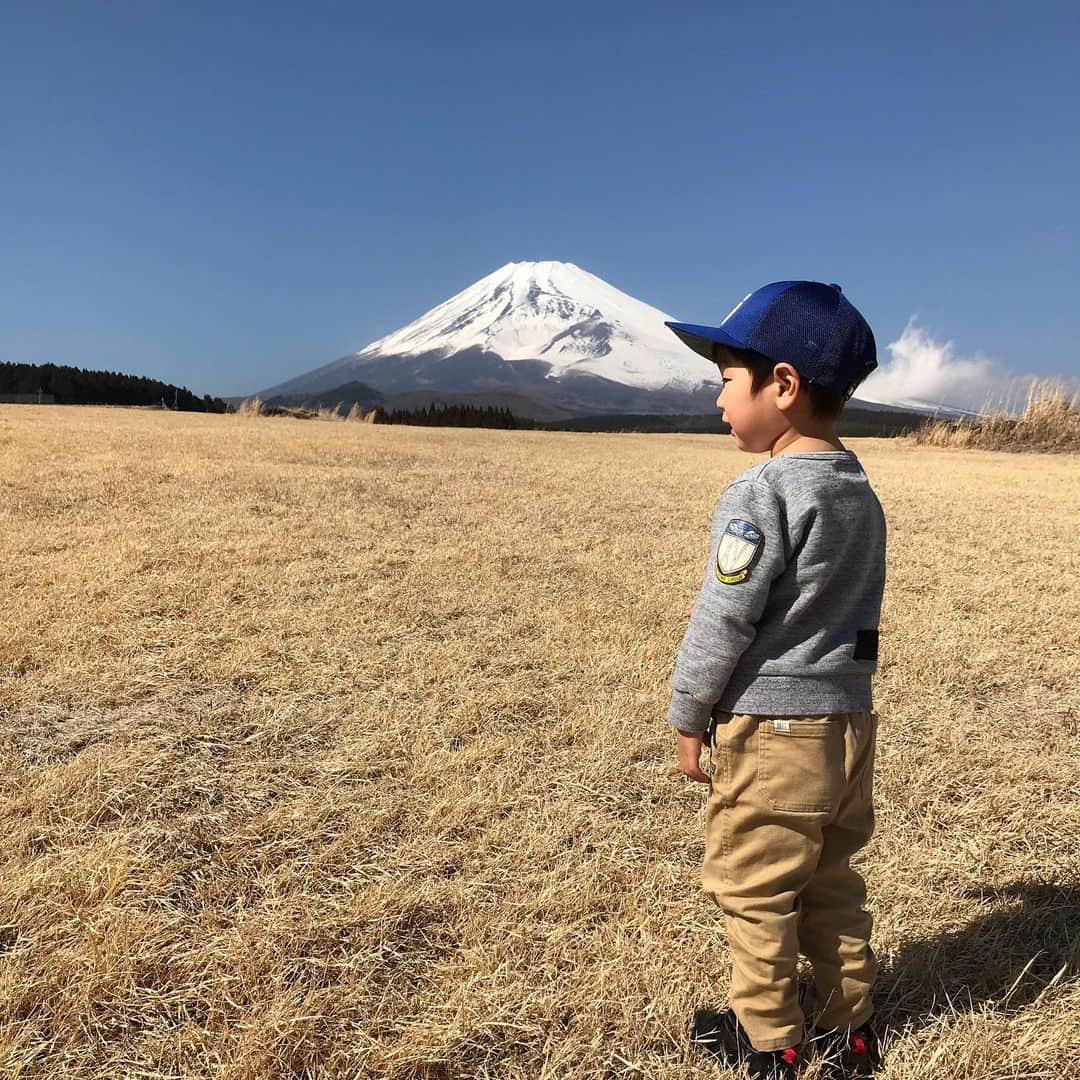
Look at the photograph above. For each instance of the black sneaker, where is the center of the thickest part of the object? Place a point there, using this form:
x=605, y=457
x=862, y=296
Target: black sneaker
x=848, y=1055
x=721, y=1035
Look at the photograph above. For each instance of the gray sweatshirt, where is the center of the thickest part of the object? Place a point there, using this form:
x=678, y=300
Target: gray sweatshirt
x=786, y=622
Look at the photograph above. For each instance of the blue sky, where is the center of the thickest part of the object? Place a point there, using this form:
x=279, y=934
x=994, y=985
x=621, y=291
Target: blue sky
x=225, y=195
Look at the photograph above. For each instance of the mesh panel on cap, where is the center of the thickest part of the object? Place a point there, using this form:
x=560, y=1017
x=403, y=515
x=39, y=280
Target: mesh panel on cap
x=852, y=349
x=799, y=330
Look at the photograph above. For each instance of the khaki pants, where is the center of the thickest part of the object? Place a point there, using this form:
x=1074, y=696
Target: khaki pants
x=790, y=801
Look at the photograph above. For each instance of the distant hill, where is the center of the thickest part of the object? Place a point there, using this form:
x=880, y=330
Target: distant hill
x=347, y=395
x=859, y=418
x=367, y=397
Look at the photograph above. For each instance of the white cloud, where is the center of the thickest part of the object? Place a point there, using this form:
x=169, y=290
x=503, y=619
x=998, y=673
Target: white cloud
x=923, y=371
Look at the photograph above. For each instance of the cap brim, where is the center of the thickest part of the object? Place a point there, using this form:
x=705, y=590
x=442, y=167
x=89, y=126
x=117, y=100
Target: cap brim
x=702, y=338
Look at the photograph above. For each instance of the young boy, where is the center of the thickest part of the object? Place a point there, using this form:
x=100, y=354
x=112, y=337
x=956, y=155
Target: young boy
x=774, y=676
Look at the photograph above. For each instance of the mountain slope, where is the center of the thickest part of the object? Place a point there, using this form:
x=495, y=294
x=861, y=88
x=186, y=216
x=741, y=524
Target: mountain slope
x=559, y=313
x=524, y=325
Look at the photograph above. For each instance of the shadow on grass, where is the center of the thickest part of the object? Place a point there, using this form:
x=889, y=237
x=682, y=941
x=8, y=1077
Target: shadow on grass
x=1005, y=960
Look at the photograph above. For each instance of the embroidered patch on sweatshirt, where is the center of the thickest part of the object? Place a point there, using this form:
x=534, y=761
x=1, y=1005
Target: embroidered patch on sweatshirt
x=738, y=548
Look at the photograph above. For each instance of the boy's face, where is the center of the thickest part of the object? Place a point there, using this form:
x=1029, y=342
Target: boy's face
x=755, y=421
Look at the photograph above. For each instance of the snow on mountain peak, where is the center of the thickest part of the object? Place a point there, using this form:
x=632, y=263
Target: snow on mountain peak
x=559, y=313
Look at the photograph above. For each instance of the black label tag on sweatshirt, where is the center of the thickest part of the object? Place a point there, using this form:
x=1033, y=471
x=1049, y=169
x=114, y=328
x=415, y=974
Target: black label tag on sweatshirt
x=866, y=643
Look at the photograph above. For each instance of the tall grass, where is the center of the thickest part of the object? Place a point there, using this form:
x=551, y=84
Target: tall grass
x=1050, y=422
x=255, y=406
x=331, y=413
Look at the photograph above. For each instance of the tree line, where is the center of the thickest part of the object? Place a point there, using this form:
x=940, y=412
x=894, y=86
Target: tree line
x=77, y=386
x=436, y=415
x=860, y=423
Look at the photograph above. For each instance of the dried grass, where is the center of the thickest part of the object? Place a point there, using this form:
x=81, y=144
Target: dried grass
x=337, y=750
x=1050, y=423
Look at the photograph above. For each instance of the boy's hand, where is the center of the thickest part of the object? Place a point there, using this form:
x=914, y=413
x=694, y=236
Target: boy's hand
x=688, y=746
x=689, y=611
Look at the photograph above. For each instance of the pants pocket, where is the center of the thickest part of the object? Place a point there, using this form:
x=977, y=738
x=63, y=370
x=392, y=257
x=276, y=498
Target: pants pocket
x=801, y=763
x=866, y=781
x=720, y=772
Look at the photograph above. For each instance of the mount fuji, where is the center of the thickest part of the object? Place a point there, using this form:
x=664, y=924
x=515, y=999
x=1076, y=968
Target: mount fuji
x=549, y=332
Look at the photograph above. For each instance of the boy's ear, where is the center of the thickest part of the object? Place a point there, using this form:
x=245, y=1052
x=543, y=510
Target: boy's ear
x=787, y=383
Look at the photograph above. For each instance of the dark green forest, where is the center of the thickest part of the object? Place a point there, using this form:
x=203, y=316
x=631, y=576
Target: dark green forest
x=77, y=386
x=454, y=416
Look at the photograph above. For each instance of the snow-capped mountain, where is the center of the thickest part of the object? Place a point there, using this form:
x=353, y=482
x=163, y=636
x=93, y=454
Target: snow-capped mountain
x=550, y=329
x=918, y=405
x=548, y=339
x=557, y=312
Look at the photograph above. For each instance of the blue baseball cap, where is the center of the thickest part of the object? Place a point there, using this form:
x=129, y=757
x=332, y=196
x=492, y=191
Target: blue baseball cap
x=808, y=324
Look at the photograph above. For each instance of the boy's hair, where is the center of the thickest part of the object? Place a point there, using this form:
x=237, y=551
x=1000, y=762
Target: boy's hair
x=824, y=404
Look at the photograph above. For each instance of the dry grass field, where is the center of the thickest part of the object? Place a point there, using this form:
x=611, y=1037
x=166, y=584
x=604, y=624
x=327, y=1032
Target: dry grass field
x=338, y=750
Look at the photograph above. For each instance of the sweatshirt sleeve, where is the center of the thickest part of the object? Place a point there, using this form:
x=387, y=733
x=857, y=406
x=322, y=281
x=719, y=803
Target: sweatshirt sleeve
x=746, y=555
